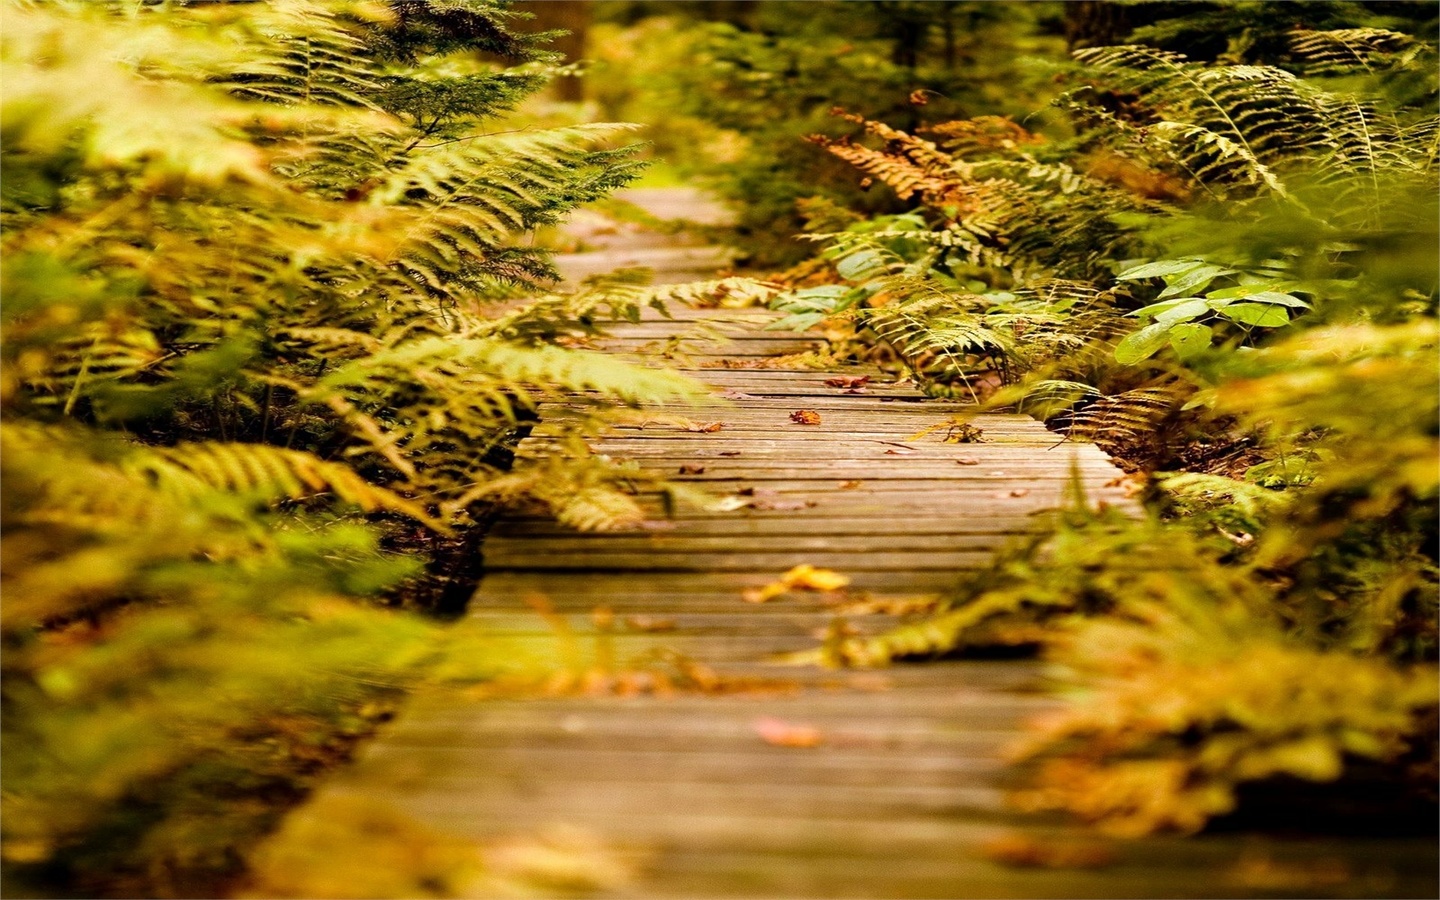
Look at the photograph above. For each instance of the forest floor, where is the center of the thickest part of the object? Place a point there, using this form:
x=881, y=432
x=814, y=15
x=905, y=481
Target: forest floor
x=673, y=755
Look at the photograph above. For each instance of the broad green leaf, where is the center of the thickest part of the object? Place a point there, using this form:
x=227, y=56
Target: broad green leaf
x=1190, y=339
x=859, y=265
x=825, y=298
x=1155, y=309
x=1193, y=281
x=1191, y=308
x=1261, y=314
x=1278, y=298
x=1159, y=269
x=796, y=322
x=1143, y=344
x=1245, y=290
x=1269, y=289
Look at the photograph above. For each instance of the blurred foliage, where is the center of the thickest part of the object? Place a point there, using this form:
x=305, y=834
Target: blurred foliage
x=266, y=336
x=1226, y=275
x=731, y=89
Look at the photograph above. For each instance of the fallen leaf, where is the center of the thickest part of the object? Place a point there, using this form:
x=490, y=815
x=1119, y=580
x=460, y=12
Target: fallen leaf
x=803, y=577
x=870, y=682
x=851, y=484
x=757, y=492
x=1023, y=851
x=1258, y=871
x=1019, y=492
x=805, y=417
x=845, y=381
x=890, y=606
x=779, y=733
x=761, y=594
x=729, y=452
x=967, y=461
x=649, y=623
x=781, y=505
x=894, y=452
x=692, y=470
x=962, y=433
x=705, y=427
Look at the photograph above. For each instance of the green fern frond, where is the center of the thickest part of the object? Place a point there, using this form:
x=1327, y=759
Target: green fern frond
x=1345, y=49
x=260, y=471
x=1123, y=419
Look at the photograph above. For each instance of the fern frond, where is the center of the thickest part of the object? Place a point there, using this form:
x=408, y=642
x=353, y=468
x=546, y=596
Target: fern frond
x=1346, y=49
x=578, y=489
x=1125, y=419
x=270, y=474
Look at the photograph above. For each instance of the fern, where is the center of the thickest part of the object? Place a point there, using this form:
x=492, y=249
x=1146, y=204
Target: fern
x=248, y=380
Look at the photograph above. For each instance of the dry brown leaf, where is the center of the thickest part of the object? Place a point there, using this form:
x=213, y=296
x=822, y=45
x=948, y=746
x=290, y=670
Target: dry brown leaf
x=1022, y=851
x=850, y=485
x=781, y=505
x=779, y=733
x=692, y=470
x=649, y=623
x=803, y=577
x=870, y=682
x=705, y=427
x=729, y=452
x=963, y=433
x=967, y=461
x=805, y=417
x=852, y=385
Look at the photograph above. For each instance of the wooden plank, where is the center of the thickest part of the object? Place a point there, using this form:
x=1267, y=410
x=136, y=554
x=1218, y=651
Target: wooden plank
x=907, y=783
x=772, y=528
x=579, y=584
x=687, y=542
x=684, y=560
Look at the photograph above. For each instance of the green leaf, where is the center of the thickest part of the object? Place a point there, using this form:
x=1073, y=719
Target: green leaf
x=1259, y=314
x=1241, y=291
x=1189, y=309
x=860, y=265
x=1256, y=292
x=1159, y=269
x=1193, y=281
x=1143, y=344
x=1278, y=298
x=1190, y=339
x=796, y=322
x=1155, y=309
x=824, y=298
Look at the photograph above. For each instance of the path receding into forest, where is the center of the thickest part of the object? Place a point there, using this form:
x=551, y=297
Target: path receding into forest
x=689, y=763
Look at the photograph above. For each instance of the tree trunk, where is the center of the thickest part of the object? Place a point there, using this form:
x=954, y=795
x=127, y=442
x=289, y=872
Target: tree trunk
x=572, y=16
x=1095, y=23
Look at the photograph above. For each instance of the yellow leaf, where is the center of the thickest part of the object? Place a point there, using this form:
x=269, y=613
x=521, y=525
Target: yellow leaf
x=803, y=577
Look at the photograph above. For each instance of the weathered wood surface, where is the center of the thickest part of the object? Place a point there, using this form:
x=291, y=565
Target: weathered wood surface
x=907, y=785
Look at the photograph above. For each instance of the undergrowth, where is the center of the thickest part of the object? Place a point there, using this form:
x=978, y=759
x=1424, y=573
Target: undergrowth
x=270, y=322
x=1229, y=281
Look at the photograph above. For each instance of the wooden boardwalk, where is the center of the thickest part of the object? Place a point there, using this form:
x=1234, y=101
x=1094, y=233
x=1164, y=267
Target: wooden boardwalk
x=784, y=781
x=742, y=777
